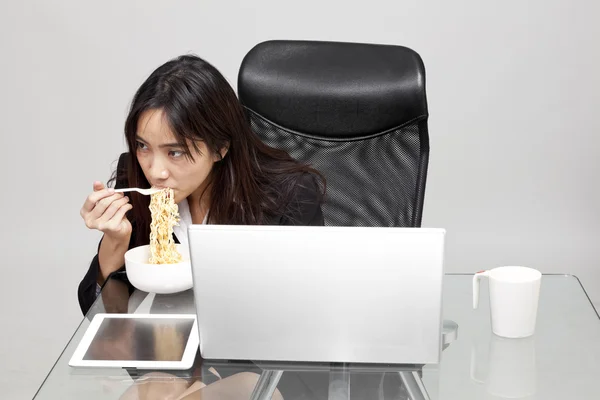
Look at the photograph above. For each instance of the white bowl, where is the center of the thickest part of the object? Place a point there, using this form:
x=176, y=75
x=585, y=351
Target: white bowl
x=158, y=278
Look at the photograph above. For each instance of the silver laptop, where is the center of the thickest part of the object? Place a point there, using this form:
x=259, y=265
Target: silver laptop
x=327, y=294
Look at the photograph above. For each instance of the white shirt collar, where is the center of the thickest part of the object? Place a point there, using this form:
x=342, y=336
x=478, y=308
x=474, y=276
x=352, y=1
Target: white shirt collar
x=185, y=221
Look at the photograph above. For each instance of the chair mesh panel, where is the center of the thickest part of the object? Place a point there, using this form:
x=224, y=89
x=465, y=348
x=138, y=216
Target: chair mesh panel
x=370, y=182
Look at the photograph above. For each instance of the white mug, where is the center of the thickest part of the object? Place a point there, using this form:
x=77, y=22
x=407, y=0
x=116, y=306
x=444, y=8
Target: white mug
x=514, y=294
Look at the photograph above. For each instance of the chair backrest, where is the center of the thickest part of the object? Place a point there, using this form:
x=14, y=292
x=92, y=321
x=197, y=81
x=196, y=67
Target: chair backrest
x=356, y=112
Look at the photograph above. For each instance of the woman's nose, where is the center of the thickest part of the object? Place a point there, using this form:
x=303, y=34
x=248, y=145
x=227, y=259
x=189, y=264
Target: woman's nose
x=158, y=171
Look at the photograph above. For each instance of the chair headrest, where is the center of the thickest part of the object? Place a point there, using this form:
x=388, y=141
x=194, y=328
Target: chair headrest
x=333, y=89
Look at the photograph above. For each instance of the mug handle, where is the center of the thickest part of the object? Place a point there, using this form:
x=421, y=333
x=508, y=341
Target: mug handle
x=476, y=278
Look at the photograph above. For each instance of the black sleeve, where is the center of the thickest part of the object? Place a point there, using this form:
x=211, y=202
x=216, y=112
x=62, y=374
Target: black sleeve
x=86, y=292
x=305, y=207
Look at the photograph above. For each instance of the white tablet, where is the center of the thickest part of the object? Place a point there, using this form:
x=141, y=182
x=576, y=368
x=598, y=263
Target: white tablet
x=144, y=341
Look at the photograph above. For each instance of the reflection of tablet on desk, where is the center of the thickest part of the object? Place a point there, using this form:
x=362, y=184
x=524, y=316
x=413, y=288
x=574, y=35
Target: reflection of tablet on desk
x=144, y=341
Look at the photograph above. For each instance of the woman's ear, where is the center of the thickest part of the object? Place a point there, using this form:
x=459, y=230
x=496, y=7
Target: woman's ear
x=222, y=153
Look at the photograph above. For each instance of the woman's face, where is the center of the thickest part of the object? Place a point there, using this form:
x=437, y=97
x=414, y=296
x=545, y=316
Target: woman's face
x=164, y=162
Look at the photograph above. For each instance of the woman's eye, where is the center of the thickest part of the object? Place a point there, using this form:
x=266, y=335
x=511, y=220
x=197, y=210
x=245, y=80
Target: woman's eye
x=175, y=153
x=141, y=146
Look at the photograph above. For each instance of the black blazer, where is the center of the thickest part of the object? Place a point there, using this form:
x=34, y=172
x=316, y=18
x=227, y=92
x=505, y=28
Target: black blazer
x=306, y=211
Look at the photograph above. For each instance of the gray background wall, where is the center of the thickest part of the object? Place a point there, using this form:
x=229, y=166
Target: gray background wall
x=513, y=95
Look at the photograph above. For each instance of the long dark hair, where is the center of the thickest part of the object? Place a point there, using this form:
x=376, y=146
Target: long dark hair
x=252, y=183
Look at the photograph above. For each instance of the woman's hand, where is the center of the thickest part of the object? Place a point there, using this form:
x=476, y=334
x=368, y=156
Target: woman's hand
x=105, y=211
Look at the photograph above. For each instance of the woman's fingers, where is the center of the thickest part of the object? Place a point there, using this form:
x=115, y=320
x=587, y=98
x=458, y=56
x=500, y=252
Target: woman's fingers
x=105, y=210
x=115, y=224
x=103, y=204
x=94, y=217
x=95, y=197
x=111, y=210
x=98, y=186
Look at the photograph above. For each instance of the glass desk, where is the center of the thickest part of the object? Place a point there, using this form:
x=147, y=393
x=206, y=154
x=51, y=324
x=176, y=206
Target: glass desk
x=561, y=361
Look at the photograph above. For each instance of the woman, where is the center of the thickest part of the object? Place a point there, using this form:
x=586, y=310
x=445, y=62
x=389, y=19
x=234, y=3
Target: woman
x=187, y=130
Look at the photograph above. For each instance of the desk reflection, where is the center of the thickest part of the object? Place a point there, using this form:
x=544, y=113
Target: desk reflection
x=505, y=367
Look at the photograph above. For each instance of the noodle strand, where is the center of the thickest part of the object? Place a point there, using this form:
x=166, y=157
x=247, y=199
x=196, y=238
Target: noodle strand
x=165, y=215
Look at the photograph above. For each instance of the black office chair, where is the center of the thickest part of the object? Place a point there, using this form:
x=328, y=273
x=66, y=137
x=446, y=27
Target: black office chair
x=356, y=112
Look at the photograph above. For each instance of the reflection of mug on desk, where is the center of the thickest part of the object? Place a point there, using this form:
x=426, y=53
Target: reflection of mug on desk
x=509, y=370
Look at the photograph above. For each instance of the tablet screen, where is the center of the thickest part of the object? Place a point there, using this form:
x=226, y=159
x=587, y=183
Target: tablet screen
x=140, y=339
